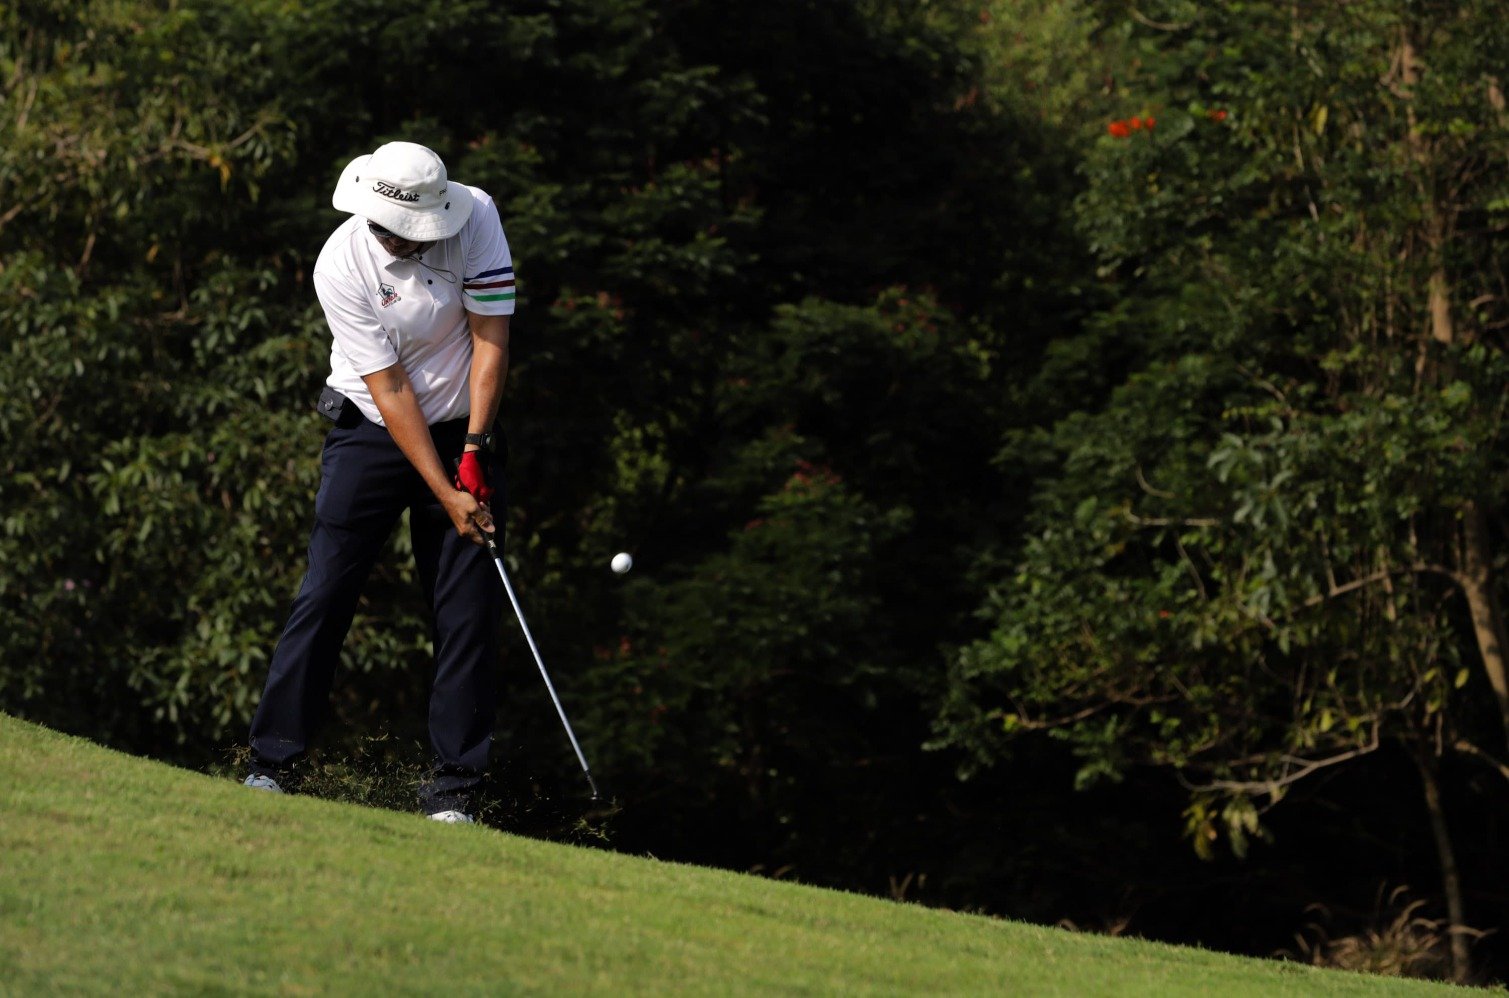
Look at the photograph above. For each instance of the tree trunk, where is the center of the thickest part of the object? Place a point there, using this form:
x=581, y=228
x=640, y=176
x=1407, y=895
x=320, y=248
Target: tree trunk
x=1441, y=328
x=1451, y=881
x=1437, y=218
x=1475, y=567
x=1476, y=579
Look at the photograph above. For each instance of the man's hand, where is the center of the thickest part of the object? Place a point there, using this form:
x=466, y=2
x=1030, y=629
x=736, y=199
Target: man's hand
x=471, y=477
x=472, y=519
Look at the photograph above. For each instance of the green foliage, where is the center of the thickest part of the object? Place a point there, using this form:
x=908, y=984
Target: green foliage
x=755, y=639
x=749, y=348
x=1246, y=566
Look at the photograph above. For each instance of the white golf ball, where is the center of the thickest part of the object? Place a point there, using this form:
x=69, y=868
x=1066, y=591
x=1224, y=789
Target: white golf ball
x=622, y=562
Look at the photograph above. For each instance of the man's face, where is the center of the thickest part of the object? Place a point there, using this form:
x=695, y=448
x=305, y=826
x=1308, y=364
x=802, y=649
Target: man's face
x=394, y=243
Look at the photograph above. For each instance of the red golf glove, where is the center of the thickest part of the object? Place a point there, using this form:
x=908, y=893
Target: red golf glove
x=471, y=476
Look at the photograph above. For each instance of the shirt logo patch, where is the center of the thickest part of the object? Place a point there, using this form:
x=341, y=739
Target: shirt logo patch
x=387, y=294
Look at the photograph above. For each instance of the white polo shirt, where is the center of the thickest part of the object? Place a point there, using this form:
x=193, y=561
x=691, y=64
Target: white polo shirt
x=383, y=310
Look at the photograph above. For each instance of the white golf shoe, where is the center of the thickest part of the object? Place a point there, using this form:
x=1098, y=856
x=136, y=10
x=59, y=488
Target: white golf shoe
x=453, y=817
x=259, y=782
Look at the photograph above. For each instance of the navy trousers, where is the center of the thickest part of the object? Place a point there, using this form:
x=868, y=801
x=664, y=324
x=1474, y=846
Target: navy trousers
x=365, y=485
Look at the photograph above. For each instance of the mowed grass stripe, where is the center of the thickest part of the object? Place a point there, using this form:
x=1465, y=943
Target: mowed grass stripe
x=120, y=875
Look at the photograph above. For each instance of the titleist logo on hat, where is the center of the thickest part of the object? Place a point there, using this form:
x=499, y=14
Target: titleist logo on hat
x=387, y=190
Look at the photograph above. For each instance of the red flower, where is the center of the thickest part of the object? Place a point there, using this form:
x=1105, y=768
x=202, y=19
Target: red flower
x=1118, y=129
x=1149, y=122
x=1219, y=114
x=1136, y=124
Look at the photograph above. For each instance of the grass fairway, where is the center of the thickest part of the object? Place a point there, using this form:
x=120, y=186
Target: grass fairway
x=123, y=876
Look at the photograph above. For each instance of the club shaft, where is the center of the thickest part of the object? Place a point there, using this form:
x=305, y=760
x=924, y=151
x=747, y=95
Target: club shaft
x=538, y=660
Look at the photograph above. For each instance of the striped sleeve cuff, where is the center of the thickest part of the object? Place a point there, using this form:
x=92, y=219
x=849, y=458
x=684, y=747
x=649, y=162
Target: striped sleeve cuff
x=490, y=285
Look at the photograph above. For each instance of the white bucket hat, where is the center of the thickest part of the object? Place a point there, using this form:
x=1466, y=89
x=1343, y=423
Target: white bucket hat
x=403, y=187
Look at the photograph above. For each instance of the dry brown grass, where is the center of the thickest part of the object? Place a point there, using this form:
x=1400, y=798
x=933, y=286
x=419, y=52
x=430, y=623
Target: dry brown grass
x=1401, y=942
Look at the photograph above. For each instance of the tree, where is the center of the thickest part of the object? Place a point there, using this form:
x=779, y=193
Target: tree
x=1268, y=553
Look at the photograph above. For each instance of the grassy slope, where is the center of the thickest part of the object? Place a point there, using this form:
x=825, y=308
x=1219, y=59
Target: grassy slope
x=125, y=876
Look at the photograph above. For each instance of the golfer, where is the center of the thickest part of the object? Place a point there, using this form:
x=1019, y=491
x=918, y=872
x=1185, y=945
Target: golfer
x=417, y=288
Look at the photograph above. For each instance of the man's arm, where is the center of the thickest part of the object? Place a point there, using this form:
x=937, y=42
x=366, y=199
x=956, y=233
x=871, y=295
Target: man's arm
x=489, y=370
x=396, y=402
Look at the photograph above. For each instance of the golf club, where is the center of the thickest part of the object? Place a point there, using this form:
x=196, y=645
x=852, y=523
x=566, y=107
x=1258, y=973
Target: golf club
x=514, y=599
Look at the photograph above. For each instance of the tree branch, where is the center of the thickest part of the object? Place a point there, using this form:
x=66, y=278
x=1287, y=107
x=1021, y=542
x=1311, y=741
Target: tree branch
x=1148, y=488
x=1380, y=576
x=1270, y=786
x=1194, y=573
x=1465, y=747
x=1167, y=521
x=1142, y=18
x=1084, y=714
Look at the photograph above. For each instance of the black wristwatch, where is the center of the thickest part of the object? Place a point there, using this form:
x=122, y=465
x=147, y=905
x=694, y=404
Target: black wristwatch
x=483, y=440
